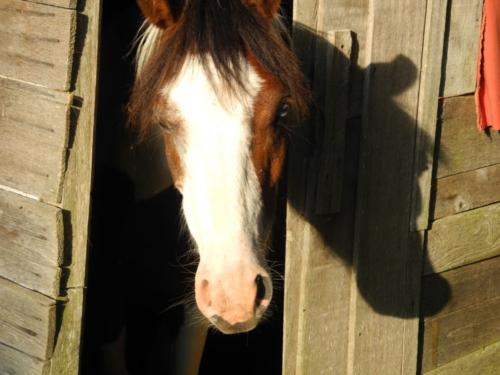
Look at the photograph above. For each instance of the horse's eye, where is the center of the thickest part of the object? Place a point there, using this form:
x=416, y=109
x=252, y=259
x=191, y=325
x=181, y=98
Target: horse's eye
x=165, y=127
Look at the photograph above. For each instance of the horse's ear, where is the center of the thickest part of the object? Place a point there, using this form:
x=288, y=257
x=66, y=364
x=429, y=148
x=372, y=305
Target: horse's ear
x=161, y=13
x=266, y=8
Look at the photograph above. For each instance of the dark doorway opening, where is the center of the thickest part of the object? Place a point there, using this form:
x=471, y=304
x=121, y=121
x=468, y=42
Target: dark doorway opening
x=138, y=267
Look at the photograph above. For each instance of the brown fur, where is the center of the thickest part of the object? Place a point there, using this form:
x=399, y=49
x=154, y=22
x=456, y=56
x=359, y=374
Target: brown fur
x=266, y=8
x=157, y=12
x=268, y=144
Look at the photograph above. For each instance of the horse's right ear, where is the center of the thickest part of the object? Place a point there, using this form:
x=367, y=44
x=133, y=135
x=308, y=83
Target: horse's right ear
x=162, y=13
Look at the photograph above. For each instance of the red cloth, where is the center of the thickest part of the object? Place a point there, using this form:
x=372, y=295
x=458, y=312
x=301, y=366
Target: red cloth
x=488, y=70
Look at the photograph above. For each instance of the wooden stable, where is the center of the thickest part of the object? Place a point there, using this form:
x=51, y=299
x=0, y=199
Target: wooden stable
x=393, y=252
x=393, y=213
x=48, y=65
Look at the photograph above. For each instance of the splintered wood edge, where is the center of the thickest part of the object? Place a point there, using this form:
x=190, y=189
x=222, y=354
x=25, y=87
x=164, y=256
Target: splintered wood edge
x=70, y=4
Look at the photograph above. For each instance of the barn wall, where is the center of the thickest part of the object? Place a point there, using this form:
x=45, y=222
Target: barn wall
x=353, y=267
x=47, y=93
x=391, y=269
x=463, y=243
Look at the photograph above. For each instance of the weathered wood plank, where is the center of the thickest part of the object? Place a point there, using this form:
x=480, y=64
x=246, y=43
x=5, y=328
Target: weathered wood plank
x=462, y=147
x=462, y=46
x=27, y=320
x=14, y=362
x=34, y=126
x=318, y=274
x=331, y=82
x=386, y=290
x=344, y=15
x=464, y=238
x=469, y=286
x=427, y=115
x=466, y=191
x=76, y=194
x=66, y=356
x=34, y=112
x=32, y=167
x=317, y=267
x=59, y=3
x=470, y=289
x=449, y=337
x=36, y=43
x=31, y=243
x=485, y=361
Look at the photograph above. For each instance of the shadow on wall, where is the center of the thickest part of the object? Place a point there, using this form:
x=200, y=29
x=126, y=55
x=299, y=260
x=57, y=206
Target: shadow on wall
x=388, y=177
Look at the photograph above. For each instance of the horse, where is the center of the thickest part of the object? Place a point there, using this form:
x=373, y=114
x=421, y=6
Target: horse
x=217, y=81
x=215, y=91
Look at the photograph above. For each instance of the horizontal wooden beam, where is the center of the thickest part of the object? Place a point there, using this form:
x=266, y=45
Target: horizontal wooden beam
x=31, y=243
x=449, y=337
x=35, y=112
x=36, y=43
x=14, y=362
x=485, y=361
x=450, y=245
x=470, y=316
x=27, y=320
x=460, y=288
x=462, y=147
x=466, y=191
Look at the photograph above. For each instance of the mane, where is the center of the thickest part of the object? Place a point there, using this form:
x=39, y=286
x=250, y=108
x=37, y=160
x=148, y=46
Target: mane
x=220, y=34
x=146, y=41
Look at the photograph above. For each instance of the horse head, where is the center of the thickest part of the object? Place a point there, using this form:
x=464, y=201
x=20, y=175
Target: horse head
x=219, y=80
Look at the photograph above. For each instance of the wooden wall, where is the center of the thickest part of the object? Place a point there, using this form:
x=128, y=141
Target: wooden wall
x=48, y=62
x=463, y=241
x=393, y=195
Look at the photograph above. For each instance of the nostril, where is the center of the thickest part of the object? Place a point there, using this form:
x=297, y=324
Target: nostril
x=261, y=290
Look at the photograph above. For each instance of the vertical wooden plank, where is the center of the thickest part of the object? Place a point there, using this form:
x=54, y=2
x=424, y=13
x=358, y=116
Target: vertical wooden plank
x=318, y=248
x=427, y=115
x=318, y=273
x=385, y=287
x=351, y=15
x=462, y=46
x=332, y=84
x=76, y=193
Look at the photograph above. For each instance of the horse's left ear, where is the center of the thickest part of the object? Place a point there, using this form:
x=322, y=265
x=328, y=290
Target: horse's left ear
x=266, y=8
x=161, y=13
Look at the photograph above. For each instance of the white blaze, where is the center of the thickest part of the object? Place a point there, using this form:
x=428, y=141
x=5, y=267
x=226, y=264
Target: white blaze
x=221, y=192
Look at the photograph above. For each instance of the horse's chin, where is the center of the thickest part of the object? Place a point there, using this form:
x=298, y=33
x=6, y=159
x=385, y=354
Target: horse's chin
x=231, y=329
